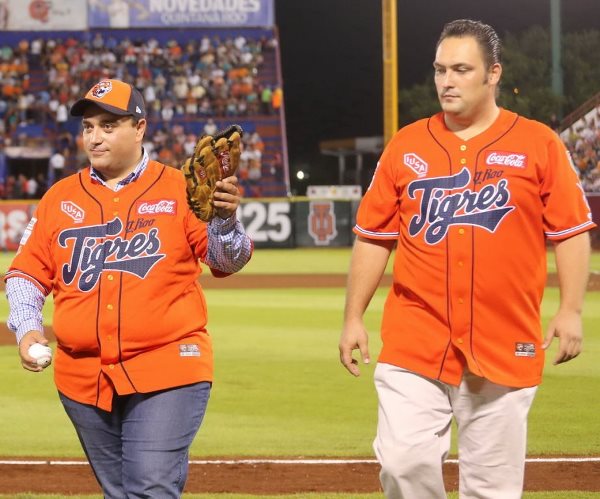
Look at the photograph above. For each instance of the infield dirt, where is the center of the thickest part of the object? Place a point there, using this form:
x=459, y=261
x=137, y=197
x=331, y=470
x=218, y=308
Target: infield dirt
x=272, y=479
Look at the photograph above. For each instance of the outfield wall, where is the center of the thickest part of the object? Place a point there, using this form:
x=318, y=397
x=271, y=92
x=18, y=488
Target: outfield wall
x=271, y=223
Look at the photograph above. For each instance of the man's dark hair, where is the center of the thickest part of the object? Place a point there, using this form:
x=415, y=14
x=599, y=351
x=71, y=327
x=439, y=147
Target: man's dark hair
x=486, y=37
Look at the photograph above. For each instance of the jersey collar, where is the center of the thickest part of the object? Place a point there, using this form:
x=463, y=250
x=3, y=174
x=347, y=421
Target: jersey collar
x=132, y=177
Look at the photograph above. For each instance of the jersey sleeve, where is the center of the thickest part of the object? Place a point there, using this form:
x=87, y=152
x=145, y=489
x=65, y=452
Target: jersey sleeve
x=566, y=211
x=378, y=213
x=33, y=260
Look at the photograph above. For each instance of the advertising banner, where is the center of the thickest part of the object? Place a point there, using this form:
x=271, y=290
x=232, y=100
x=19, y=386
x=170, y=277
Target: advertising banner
x=14, y=218
x=42, y=15
x=269, y=224
x=180, y=13
x=323, y=223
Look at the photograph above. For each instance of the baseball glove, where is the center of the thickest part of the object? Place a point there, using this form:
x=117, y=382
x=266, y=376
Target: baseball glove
x=215, y=158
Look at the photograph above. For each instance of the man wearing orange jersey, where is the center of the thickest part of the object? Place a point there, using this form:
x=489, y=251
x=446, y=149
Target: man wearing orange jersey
x=118, y=247
x=469, y=196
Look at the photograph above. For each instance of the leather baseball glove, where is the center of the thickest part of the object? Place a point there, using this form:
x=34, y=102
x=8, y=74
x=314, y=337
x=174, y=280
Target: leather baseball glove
x=215, y=158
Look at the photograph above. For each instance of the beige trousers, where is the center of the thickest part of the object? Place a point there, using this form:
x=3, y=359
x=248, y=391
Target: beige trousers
x=413, y=435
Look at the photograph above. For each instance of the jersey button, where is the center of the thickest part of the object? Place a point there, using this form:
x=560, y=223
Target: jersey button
x=111, y=277
x=459, y=341
x=463, y=147
x=116, y=199
x=461, y=301
x=109, y=337
x=111, y=366
x=460, y=264
x=463, y=161
x=461, y=231
x=109, y=306
x=115, y=213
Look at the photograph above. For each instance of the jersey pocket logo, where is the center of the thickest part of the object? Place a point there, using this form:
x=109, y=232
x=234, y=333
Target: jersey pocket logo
x=416, y=164
x=74, y=211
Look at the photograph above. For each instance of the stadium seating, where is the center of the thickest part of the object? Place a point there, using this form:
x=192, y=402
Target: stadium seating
x=229, y=64
x=582, y=138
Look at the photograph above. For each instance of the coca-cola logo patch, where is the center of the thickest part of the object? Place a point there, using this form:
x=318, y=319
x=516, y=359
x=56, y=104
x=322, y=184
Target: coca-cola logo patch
x=503, y=158
x=157, y=207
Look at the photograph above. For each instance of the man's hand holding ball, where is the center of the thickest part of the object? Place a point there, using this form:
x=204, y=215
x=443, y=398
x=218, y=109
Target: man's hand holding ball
x=35, y=353
x=42, y=354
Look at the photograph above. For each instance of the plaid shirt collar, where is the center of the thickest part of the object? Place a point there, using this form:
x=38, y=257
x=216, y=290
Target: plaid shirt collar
x=132, y=177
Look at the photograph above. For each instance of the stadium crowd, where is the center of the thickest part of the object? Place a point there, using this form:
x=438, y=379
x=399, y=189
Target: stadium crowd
x=583, y=142
x=207, y=81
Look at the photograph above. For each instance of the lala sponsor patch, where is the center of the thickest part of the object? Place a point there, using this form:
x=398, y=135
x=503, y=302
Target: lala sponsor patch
x=157, y=207
x=190, y=350
x=524, y=349
x=503, y=158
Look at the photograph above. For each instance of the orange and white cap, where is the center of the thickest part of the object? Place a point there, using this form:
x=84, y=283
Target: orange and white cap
x=114, y=96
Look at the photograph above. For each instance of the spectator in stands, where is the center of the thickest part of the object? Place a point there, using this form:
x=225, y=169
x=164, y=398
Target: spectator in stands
x=252, y=158
x=210, y=128
x=62, y=115
x=42, y=186
x=167, y=111
x=256, y=141
x=189, y=144
x=149, y=93
x=191, y=105
x=205, y=109
x=20, y=187
x=31, y=187
x=277, y=99
x=10, y=187
x=265, y=99
x=57, y=165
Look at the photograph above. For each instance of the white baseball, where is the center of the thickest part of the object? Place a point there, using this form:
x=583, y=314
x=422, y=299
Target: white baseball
x=41, y=353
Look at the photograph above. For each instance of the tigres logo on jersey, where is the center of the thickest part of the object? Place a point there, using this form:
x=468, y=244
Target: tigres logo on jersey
x=95, y=248
x=445, y=202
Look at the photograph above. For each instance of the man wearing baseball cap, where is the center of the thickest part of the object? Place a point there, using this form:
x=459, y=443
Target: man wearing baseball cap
x=118, y=247
x=114, y=96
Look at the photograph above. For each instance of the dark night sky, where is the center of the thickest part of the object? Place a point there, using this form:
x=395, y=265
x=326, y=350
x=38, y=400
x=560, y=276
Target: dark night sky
x=331, y=58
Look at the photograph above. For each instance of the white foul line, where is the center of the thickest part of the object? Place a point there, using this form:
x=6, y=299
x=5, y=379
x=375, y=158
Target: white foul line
x=59, y=462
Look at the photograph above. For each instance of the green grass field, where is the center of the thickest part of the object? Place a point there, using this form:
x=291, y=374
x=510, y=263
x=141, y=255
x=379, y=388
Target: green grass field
x=280, y=390
x=309, y=261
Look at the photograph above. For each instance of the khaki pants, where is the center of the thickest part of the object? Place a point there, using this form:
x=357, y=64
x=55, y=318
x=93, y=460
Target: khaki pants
x=413, y=435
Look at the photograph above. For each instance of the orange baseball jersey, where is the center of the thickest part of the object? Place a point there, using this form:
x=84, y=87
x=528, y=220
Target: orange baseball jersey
x=129, y=313
x=471, y=219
